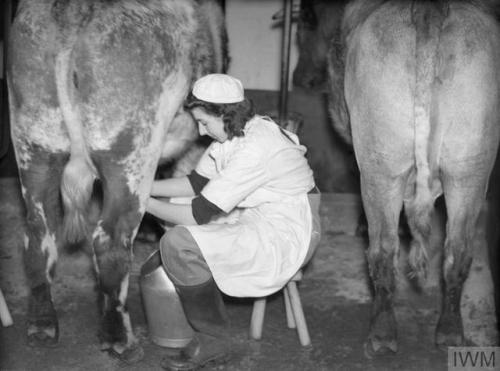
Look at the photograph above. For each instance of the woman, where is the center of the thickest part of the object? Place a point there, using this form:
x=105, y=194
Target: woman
x=253, y=221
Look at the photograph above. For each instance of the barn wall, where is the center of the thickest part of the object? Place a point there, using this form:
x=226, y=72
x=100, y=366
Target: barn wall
x=255, y=47
x=255, y=43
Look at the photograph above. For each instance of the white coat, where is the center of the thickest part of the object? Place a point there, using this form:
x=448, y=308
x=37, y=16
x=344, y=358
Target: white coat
x=261, y=181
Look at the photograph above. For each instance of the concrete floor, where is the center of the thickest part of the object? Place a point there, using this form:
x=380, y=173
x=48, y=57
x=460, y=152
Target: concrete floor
x=334, y=293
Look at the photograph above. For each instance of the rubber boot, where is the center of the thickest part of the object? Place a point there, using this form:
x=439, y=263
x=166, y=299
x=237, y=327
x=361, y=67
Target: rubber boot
x=206, y=313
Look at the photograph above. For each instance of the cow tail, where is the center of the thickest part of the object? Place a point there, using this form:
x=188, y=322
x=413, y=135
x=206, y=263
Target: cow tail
x=427, y=18
x=212, y=39
x=218, y=33
x=79, y=173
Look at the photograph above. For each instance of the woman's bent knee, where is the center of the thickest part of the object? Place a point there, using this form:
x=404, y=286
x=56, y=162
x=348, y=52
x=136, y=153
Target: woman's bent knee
x=182, y=258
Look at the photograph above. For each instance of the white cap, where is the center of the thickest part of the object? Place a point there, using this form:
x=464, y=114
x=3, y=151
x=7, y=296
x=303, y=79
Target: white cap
x=219, y=88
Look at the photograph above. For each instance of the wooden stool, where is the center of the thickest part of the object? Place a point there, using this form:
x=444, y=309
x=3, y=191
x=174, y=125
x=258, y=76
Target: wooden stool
x=294, y=313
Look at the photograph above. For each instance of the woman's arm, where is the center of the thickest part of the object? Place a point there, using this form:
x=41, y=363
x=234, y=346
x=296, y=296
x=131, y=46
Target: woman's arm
x=172, y=187
x=172, y=213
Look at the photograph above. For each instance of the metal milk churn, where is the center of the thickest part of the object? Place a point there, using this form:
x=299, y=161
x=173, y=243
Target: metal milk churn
x=167, y=323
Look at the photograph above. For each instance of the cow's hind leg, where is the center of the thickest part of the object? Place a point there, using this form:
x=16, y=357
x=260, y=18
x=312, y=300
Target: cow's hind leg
x=40, y=179
x=464, y=194
x=382, y=200
x=112, y=243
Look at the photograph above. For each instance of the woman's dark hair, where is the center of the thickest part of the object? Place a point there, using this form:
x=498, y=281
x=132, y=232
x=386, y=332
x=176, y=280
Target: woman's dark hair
x=234, y=115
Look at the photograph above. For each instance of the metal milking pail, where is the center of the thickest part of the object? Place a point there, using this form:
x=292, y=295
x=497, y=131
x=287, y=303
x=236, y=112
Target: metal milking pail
x=167, y=323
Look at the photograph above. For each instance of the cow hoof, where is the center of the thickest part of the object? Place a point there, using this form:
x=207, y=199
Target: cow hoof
x=382, y=338
x=374, y=347
x=43, y=333
x=128, y=356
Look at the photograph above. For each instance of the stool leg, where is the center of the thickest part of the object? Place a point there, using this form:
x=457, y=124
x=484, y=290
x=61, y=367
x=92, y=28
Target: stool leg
x=298, y=313
x=257, y=321
x=290, y=320
x=5, y=317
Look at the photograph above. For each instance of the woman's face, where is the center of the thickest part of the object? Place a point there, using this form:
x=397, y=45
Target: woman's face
x=212, y=126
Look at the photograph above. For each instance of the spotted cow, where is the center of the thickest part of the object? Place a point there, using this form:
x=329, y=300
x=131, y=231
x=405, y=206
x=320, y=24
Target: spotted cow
x=96, y=90
x=414, y=86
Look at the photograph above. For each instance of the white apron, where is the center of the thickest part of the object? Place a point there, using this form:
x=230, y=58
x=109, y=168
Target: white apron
x=261, y=181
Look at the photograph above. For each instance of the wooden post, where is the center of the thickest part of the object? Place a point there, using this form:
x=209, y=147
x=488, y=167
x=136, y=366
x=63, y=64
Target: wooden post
x=5, y=316
x=5, y=21
x=285, y=62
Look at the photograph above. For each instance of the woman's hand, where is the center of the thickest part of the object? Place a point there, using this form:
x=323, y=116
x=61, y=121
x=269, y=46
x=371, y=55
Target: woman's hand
x=172, y=187
x=170, y=212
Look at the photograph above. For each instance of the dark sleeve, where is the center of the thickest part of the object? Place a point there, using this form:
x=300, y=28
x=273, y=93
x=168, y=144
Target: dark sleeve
x=203, y=210
x=197, y=181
